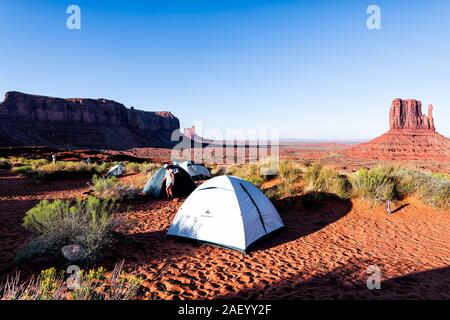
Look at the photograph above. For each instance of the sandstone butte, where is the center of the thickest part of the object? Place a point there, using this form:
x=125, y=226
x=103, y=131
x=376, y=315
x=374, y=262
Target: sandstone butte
x=31, y=120
x=412, y=136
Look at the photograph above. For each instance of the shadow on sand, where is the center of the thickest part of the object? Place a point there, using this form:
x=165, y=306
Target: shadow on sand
x=350, y=283
x=303, y=215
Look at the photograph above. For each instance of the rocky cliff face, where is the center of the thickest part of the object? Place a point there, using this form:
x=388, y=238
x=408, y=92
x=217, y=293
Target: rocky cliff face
x=407, y=114
x=412, y=136
x=81, y=123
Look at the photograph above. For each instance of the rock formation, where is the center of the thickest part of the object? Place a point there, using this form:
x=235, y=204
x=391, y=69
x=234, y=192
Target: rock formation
x=412, y=136
x=31, y=120
x=407, y=114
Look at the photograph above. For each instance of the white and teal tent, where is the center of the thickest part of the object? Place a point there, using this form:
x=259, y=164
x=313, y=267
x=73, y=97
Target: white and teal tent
x=226, y=211
x=197, y=171
x=116, y=171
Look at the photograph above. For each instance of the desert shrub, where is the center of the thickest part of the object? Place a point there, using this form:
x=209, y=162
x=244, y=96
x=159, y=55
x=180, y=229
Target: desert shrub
x=112, y=189
x=327, y=181
x=149, y=168
x=375, y=185
x=5, y=163
x=146, y=167
x=119, y=285
x=218, y=170
x=247, y=171
x=282, y=190
x=432, y=188
x=41, y=169
x=441, y=175
x=94, y=284
x=257, y=173
x=22, y=169
x=435, y=192
x=88, y=223
x=36, y=163
x=289, y=171
x=133, y=167
x=407, y=180
x=70, y=166
x=101, y=168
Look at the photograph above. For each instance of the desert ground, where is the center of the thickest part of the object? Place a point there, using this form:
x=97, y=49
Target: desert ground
x=324, y=252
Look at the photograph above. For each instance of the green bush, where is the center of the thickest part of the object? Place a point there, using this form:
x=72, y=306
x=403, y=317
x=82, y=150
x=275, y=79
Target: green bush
x=5, y=163
x=435, y=192
x=22, y=169
x=41, y=169
x=146, y=167
x=432, y=188
x=133, y=167
x=88, y=223
x=112, y=189
x=326, y=181
x=375, y=185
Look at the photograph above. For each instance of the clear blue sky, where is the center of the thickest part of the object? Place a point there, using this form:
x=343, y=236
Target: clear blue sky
x=310, y=68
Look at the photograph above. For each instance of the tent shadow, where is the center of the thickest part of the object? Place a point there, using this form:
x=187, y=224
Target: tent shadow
x=349, y=282
x=304, y=215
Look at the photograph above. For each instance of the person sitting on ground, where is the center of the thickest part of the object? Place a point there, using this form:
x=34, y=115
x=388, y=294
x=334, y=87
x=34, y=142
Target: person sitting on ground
x=169, y=178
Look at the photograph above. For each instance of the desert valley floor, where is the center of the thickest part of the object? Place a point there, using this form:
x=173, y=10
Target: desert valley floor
x=323, y=253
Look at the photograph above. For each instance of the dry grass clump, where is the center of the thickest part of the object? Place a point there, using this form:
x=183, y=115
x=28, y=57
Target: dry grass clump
x=146, y=167
x=41, y=169
x=112, y=189
x=94, y=284
x=383, y=183
x=432, y=188
x=325, y=180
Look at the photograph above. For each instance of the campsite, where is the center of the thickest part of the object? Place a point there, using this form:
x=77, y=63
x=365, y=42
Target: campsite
x=321, y=246
x=224, y=152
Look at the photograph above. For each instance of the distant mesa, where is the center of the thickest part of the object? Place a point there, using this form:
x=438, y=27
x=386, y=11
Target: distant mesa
x=192, y=134
x=412, y=136
x=32, y=120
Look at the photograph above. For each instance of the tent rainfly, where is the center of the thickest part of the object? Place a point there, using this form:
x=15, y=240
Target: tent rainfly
x=116, y=171
x=226, y=211
x=197, y=171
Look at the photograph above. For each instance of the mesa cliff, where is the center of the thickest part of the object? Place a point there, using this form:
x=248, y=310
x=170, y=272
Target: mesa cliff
x=32, y=120
x=407, y=114
x=412, y=136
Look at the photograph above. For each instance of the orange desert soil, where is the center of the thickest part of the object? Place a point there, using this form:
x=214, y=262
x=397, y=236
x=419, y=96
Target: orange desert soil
x=323, y=253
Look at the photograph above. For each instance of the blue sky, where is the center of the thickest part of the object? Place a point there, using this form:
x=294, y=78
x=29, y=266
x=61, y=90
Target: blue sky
x=308, y=68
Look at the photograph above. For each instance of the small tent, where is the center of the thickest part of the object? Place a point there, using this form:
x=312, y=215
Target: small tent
x=183, y=185
x=116, y=171
x=226, y=211
x=197, y=171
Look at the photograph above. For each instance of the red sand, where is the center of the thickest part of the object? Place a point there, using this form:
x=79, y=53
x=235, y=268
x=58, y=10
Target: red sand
x=323, y=253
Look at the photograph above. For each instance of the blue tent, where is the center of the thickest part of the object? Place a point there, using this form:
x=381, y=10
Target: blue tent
x=183, y=185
